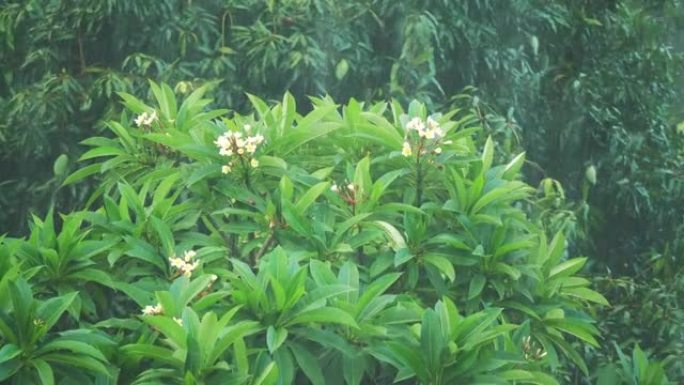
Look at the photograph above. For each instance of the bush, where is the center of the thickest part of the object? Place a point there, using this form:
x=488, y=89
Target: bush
x=579, y=84
x=366, y=244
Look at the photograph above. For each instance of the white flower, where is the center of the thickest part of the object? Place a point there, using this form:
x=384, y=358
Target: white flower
x=438, y=150
x=151, y=118
x=213, y=277
x=334, y=188
x=178, y=321
x=189, y=267
x=188, y=255
x=350, y=187
x=406, y=149
x=146, y=119
x=177, y=262
x=432, y=124
x=247, y=127
x=140, y=119
x=223, y=141
x=184, y=264
x=415, y=124
x=152, y=310
x=233, y=143
x=430, y=134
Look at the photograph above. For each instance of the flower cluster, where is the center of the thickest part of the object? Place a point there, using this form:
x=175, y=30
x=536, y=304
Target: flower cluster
x=423, y=137
x=529, y=350
x=185, y=264
x=233, y=143
x=146, y=119
x=335, y=188
x=347, y=193
x=152, y=310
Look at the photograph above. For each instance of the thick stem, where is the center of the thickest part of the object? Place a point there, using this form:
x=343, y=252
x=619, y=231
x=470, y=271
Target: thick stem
x=264, y=248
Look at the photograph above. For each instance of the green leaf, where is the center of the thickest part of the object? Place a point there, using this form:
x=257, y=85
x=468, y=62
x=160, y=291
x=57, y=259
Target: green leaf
x=471, y=326
x=324, y=315
x=170, y=328
x=309, y=364
x=275, y=338
x=240, y=354
x=362, y=180
x=78, y=361
x=267, y=376
x=508, y=191
x=328, y=291
x=567, y=268
x=51, y=310
x=476, y=286
x=353, y=369
x=577, y=328
x=442, y=264
x=487, y=155
x=310, y=196
x=44, y=370
x=9, y=368
x=432, y=340
x=102, y=151
x=392, y=233
x=162, y=355
x=81, y=174
x=590, y=174
x=307, y=129
x=165, y=234
x=133, y=103
x=586, y=294
x=8, y=352
x=556, y=249
x=321, y=272
x=60, y=165
x=513, y=167
x=77, y=347
x=289, y=108
x=341, y=69
x=372, y=291
x=410, y=358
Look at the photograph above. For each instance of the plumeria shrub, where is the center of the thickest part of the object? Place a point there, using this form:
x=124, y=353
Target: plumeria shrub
x=354, y=244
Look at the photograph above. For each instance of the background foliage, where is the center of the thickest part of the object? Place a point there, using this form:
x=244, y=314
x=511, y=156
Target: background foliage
x=589, y=89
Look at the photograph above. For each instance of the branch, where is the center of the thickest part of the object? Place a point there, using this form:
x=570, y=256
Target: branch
x=267, y=245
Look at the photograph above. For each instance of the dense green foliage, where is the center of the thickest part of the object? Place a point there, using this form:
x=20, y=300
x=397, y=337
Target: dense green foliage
x=284, y=248
x=577, y=83
x=589, y=90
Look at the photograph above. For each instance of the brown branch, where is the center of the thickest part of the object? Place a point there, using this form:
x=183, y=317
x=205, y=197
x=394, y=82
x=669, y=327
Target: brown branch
x=264, y=247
